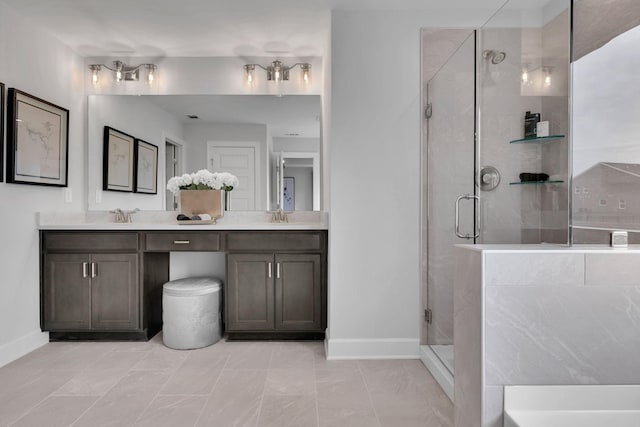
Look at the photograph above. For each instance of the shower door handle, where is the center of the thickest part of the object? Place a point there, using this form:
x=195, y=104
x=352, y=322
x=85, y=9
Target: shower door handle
x=457, y=217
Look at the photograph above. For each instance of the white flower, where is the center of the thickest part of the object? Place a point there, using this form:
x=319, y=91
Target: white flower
x=201, y=180
x=174, y=184
x=229, y=180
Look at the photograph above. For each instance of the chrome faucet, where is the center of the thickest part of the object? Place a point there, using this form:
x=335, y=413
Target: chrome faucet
x=127, y=214
x=279, y=216
x=122, y=217
x=119, y=215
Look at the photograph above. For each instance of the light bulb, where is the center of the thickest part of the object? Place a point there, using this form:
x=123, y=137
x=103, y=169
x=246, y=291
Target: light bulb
x=547, y=76
x=249, y=71
x=525, y=77
x=151, y=73
x=95, y=74
x=306, y=73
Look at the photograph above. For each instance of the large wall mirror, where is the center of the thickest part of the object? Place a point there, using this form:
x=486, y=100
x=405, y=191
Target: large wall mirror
x=606, y=129
x=271, y=143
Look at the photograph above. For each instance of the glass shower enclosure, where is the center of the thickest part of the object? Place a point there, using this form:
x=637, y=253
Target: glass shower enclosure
x=487, y=179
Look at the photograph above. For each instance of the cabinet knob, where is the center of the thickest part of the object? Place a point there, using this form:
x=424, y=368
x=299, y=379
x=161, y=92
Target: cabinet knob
x=85, y=270
x=269, y=270
x=181, y=242
x=94, y=270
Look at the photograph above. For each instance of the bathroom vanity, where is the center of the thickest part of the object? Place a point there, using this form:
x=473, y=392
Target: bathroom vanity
x=104, y=281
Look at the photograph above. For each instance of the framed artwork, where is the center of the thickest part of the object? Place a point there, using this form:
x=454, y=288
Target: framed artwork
x=1, y=131
x=288, y=194
x=37, y=141
x=118, y=161
x=146, y=167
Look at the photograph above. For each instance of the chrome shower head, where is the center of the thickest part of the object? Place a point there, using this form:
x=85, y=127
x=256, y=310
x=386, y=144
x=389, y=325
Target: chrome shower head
x=495, y=56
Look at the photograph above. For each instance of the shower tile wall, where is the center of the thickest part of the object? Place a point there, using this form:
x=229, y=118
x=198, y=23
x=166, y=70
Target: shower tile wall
x=528, y=213
x=565, y=316
x=507, y=210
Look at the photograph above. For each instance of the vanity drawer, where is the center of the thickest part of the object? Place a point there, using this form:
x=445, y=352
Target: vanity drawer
x=275, y=241
x=192, y=241
x=95, y=241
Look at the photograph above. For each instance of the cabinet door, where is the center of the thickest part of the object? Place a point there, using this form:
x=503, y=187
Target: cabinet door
x=114, y=291
x=66, y=292
x=249, y=292
x=298, y=292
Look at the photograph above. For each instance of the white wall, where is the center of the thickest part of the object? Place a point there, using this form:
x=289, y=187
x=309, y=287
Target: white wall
x=374, y=304
x=303, y=187
x=296, y=144
x=38, y=64
x=139, y=118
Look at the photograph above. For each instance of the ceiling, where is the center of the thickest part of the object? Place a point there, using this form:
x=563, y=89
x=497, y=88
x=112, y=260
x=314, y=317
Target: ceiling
x=158, y=28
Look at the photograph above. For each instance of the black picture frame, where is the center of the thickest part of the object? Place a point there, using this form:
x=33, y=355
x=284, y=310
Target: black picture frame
x=118, y=161
x=37, y=141
x=2, y=104
x=146, y=157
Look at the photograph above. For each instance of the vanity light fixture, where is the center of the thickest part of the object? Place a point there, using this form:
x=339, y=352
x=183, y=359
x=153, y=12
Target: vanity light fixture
x=123, y=72
x=277, y=72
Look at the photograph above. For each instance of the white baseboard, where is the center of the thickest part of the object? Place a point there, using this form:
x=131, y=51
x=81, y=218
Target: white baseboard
x=21, y=346
x=440, y=373
x=392, y=348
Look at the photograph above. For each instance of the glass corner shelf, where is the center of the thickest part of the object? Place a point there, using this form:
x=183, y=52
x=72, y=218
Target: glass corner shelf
x=536, y=139
x=535, y=182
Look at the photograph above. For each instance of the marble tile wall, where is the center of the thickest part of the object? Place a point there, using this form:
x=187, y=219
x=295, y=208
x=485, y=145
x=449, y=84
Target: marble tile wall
x=467, y=317
x=550, y=317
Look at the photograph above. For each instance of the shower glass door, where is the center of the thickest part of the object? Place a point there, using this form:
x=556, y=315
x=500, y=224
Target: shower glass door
x=523, y=59
x=450, y=174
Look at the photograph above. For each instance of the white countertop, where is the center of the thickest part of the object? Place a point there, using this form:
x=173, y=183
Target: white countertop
x=161, y=220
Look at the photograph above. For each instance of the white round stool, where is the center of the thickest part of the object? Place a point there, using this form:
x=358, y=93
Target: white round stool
x=191, y=312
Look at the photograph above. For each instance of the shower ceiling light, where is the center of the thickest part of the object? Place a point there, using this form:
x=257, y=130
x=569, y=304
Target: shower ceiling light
x=123, y=72
x=526, y=80
x=546, y=71
x=277, y=72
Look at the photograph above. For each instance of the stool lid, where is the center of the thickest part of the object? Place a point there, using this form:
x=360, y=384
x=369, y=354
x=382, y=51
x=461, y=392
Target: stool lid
x=193, y=286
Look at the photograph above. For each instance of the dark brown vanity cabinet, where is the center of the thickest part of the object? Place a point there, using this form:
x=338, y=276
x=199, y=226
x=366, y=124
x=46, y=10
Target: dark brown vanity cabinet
x=108, y=284
x=87, y=286
x=278, y=292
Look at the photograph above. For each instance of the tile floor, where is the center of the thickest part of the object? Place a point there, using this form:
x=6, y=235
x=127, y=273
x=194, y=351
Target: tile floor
x=228, y=384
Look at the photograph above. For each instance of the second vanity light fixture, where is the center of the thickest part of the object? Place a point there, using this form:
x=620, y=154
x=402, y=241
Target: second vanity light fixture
x=277, y=71
x=123, y=72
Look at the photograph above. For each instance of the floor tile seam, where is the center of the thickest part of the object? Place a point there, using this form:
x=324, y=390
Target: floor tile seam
x=155, y=396
x=98, y=399
x=28, y=411
x=264, y=387
x=171, y=374
x=106, y=393
x=366, y=386
x=215, y=384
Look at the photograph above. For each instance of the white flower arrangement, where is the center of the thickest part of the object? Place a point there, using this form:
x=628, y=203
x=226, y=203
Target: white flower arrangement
x=203, y=180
